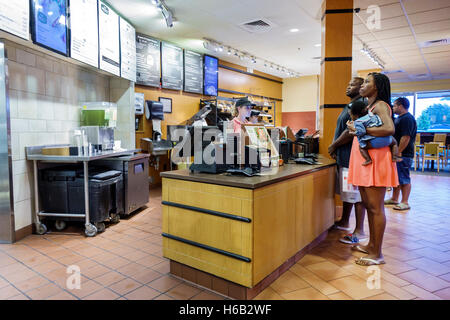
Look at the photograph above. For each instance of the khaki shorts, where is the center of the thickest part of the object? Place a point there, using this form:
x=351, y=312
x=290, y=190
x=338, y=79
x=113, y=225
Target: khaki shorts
x=350, y=197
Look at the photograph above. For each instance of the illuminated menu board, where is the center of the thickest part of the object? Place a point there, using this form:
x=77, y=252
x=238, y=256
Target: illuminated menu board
x=15, y=17
x=211, y=80
x=127, y=50
x=193, y=72
x=148, y=61
x=83, y=31
x=48, y=27
x=172, y=66
x=109, y=44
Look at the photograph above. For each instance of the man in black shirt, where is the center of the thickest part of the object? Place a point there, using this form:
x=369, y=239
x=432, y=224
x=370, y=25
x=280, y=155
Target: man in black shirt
x=340, y=150
x=405, y=134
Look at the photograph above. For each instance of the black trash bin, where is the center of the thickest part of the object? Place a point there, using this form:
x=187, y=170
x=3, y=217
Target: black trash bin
x=103, y=189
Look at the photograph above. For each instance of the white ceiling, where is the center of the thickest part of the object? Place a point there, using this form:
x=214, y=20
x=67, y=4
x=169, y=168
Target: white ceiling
x=394, y=43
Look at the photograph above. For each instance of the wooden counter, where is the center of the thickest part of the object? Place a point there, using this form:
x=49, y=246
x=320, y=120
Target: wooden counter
x=236, y=234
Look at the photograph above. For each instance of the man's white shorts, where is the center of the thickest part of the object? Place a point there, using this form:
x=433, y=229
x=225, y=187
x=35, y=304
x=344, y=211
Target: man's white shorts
x=350, y=197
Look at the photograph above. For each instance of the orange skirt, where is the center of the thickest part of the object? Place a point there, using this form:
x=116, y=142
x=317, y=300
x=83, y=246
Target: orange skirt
x=382, y=172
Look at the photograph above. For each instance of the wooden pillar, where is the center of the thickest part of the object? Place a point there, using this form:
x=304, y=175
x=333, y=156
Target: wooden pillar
x=336, y=65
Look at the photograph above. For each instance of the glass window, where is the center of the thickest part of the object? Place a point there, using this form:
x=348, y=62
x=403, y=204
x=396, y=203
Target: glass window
x=433, y=111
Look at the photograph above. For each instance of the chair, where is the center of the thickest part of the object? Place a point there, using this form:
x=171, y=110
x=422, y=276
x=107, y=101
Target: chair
x=441, y=138
x=431, y=152
x=417, y=151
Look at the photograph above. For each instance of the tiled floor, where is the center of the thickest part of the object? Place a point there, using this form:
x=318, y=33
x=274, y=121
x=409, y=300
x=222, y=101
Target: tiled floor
x=126, y=262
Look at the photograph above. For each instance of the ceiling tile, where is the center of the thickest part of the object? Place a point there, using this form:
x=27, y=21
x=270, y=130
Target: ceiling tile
x=412, y=6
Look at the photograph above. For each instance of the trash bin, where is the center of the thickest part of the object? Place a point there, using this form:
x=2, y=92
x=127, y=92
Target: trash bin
x=103, y=189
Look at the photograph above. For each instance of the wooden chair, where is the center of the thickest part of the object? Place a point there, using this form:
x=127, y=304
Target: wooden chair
x=431, y=151
x=417, y=151
x=441, y=138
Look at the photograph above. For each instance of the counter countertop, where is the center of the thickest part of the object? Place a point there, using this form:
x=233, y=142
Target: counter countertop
x=273, y=175
x=33, y=153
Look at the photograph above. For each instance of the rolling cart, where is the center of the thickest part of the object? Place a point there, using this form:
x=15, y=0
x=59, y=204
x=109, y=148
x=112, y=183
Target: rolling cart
x=35, y=154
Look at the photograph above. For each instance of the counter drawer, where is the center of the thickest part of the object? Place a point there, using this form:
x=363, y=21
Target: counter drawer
x=228, y=200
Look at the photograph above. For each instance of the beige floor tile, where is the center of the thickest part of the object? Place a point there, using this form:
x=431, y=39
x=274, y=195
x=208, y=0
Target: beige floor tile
x=421, y=293
x=164, y=283
x=327, y=270
x=288, y=282
x=305, y=294
x=63, y=295
x=183, y=291
x=31, y=283
x=44, y=292
x=424, y=280
x=355, y=287
x=432, y=267
x=339, y=296
x=104, y=294
x=310, y=259
x=143, y=293
x=8, y=292
x=109, y=278
x=444, y=293
x=86, y=288
x=125, y=286
x=319, y=284
x=382, y=296
x=207, y=295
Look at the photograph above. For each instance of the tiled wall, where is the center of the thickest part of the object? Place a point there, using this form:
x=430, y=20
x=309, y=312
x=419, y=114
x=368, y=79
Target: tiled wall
x=45, y=95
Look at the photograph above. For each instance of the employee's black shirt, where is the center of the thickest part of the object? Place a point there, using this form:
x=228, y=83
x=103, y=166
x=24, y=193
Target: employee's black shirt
x=343, y=152
x=405, y=125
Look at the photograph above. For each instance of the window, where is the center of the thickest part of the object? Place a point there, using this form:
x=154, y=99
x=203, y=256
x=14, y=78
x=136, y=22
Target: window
x=431, y=109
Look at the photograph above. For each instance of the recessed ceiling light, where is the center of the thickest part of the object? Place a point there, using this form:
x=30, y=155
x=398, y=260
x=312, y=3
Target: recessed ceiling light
x=294, y=30
x=318, y=45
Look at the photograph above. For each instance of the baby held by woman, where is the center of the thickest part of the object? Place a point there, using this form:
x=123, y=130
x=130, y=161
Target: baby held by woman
x=362, y=119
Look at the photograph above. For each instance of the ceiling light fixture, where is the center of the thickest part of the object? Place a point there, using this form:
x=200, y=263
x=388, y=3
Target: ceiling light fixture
x=318, y=45
x=167, y=14
x=294, y=30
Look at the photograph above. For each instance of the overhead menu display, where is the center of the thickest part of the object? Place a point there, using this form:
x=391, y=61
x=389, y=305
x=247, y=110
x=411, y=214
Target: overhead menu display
x=109, y=44
x=148, y=61
x=83, y=35
x=49, y=27
x=127, y=50
x=15, y=17
x=211, y=76
x=172, y=66
x=193, y=72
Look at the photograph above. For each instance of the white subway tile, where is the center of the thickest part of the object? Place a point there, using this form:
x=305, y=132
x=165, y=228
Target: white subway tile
x=17, y=76
x=38, y=125
x=11, y=52
x=23, y=215
x=19, y=167
x=35, y=80
x=46, y=138
x=45, y=108
x=21, y=187
x=13, y=104
x=27, y=105
x=54, y=126
x=19, y=125
x=60, y=110
x=26, y=140
x=53, y=84
x=15, y=146
x=44, y=64
x=25, y=57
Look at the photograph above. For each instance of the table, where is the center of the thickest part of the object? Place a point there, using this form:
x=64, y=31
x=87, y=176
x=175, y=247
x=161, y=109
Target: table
x=237, y=234
x=35, y=154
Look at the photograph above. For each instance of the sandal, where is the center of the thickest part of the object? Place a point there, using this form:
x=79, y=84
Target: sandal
x=342, y=228
x=390, y=202
x=402, y=206
x=369, y=262
x=351, y=239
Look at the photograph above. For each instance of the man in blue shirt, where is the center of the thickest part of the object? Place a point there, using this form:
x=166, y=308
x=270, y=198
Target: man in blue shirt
x=340, y=150
x=405, y=134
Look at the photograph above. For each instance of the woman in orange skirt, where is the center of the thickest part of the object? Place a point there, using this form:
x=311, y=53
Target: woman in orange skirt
x=374, y=178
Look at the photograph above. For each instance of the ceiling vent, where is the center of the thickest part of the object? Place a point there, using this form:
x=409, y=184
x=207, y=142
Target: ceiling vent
x=435, y=43
x=257, y=26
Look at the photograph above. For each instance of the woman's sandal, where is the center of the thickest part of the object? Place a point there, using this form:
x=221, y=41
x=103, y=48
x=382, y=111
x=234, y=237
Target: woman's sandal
x=364, y=261
x=402, y=206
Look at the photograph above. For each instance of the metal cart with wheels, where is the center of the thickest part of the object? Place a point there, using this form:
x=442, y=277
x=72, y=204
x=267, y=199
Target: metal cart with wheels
x=35, y=154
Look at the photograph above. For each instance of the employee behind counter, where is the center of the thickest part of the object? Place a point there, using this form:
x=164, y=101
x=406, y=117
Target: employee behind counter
x=243, y=108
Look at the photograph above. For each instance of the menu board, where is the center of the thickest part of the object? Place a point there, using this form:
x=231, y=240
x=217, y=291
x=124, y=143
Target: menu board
x=49, y=27
x=172, y=66
x=127, y=50
x=193, y=72
x=148, y=61
x=211, y=79
x=108, y=31
x=15, y=17
x=83, y=35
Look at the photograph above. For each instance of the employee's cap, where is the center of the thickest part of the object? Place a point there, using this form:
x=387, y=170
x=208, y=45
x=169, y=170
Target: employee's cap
x=254, y=113
x=244, y=102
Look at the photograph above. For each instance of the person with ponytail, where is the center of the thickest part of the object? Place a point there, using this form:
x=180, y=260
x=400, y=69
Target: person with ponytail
x=243, y=107
x=373, y=179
